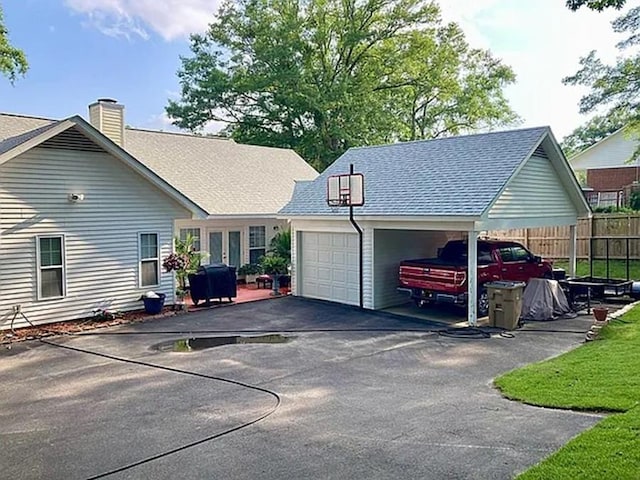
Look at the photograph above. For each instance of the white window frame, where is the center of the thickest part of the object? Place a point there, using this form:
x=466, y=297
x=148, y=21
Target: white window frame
x=198, y=237
x=39, y=267
x=140, y=259
x=263, y=247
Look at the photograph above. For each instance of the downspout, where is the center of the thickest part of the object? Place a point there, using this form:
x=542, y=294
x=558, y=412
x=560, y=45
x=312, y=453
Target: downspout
x=360, y=248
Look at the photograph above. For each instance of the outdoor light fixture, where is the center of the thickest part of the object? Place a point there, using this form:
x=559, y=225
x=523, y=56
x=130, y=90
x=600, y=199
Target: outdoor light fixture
x=76, y=197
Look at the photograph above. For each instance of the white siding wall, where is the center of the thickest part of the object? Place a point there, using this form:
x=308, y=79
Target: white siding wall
x=535, y=192
x=272, y=227
x=295, y=243
x=393, y=246
x=367, y=268
x=613, y=151
x=101, y=232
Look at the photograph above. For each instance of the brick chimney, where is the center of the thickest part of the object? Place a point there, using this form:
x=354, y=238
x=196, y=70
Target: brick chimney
x=107, y=115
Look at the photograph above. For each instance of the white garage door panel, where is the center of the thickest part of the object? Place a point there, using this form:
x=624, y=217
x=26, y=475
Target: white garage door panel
x=329, y=268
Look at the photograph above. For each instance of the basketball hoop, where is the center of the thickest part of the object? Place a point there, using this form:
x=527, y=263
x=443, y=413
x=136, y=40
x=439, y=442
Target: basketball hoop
x=345, y=190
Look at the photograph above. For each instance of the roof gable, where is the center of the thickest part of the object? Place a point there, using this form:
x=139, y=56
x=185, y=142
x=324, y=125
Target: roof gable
x=535, y=190
x=218, y=175
x=615, y=150
x=76, y=133
x=454, y=176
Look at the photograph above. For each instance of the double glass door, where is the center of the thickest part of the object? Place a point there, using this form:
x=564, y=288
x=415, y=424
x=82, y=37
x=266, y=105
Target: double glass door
x=225, y=247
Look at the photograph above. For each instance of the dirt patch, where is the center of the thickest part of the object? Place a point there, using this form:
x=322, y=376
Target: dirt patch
x=77, y=326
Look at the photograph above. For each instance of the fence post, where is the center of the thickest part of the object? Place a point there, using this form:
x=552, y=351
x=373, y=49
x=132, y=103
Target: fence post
x=573, y=242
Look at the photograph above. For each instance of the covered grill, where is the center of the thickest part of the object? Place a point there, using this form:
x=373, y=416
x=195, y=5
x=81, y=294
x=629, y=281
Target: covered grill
x=215, y=281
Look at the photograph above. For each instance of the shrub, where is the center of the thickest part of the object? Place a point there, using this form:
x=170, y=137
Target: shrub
x=280, y=245
x=250, y=269
x=274, y=265
x=183, y=261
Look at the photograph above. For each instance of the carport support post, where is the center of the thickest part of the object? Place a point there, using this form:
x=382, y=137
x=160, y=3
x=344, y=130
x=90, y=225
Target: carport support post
x=472, y=278
x=573, y=248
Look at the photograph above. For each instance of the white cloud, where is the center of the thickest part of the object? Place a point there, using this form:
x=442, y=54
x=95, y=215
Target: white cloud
x=171, y=19
x=162, y=122
x=543, y=42
x=213, y=126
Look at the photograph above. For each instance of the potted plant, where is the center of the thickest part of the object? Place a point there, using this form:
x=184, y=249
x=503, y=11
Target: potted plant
x=250, y=271
x=183, y=261
x=280, y=244
x=600, y=314
x=275, y=266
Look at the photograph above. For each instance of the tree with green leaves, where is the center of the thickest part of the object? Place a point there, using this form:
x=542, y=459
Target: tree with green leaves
x=594, y=130
x=13, y=62
x=598, y=5
x=320, y=76
x=614, y=87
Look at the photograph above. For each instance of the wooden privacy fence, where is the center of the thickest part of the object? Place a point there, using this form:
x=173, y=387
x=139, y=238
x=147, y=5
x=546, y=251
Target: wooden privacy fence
x=553, y=242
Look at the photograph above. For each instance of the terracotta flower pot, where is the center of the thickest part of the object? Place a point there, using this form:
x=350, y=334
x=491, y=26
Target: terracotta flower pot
x=600, y=314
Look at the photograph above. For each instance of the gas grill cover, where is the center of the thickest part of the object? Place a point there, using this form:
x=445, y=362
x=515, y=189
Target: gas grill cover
x=214, y=281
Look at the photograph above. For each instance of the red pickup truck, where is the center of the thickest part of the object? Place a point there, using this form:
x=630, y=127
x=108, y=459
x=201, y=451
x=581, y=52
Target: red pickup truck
x=444, y=279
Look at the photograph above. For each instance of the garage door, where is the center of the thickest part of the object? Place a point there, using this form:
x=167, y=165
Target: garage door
x=329, y=267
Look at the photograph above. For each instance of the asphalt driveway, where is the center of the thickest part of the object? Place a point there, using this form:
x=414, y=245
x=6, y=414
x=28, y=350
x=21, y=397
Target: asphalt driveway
x=358, y=401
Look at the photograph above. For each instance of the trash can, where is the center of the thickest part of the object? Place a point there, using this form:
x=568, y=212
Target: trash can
x=153, y=305
x=505, y=304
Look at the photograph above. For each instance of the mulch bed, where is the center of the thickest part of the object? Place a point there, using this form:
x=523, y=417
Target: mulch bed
x=77, y=326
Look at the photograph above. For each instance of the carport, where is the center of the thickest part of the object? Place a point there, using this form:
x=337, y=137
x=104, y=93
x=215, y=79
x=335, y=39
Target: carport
x=418, y=195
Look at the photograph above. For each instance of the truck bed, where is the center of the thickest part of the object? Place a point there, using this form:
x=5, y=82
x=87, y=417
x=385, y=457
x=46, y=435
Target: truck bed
x=435, y=262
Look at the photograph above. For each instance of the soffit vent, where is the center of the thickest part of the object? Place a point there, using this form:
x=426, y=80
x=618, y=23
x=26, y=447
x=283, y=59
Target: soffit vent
x=72, y=139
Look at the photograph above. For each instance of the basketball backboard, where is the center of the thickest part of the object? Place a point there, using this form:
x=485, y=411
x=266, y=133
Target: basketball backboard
x=345, y=190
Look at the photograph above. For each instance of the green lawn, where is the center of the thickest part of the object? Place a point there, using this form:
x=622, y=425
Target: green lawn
x=603, y=375
x=617, y=268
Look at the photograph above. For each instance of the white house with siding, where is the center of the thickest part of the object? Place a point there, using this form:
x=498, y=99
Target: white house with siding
x=417, y=196
x=62, y=258
x=613, y=151
x=83, y=224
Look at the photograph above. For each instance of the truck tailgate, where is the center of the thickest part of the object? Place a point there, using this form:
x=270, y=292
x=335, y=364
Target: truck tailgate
x=432, y=277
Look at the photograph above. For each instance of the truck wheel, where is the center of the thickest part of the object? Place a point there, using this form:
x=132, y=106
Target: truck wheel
x=483, y=302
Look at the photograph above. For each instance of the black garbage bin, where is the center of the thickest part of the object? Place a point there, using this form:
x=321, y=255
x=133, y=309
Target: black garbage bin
x=214, y=281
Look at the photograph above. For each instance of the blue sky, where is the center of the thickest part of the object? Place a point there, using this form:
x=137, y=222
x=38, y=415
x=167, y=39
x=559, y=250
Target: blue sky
x=73, y=63
x=81, y=50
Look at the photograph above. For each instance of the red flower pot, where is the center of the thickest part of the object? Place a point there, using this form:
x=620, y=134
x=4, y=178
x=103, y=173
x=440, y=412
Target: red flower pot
x=600, y=314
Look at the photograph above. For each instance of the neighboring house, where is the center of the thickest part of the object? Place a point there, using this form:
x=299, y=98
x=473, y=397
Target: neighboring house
x=418, y=195
x=607, y=170
x=226, y=194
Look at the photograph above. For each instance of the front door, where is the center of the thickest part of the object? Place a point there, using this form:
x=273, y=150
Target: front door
x=225, y=247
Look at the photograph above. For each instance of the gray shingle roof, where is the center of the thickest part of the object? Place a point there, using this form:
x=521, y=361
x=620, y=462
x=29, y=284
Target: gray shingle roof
x=449, y=176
